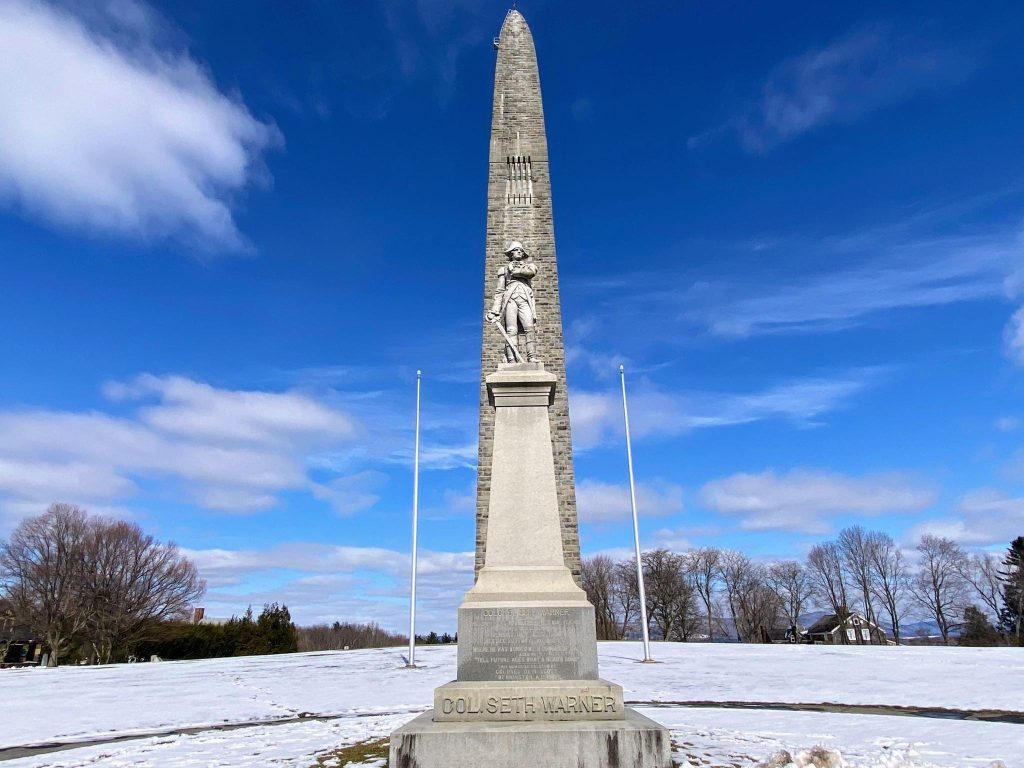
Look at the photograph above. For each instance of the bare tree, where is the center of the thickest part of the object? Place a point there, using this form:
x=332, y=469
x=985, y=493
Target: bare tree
x=662, y=580
x=982, y=573
x=889, y=577
x=939, y=585
x=733, y=567
x=762, y=608
x=626, y=597
x=598, y=577
x=688, y=618
x=130, y=582
x=825, y=564
x=41, y=568
x=706, y=564
x=342, y=635
x=792, y=584
x=754, y=606
x=671, y=599
x=855, y=544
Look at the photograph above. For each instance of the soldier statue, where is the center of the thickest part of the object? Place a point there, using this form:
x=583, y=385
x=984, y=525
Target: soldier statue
x=513, y=306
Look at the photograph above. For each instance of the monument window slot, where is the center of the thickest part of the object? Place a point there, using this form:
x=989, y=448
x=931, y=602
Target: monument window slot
x=519, y=185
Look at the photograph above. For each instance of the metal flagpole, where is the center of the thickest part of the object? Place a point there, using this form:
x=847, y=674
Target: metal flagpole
x=415, y=515
x=636, y=523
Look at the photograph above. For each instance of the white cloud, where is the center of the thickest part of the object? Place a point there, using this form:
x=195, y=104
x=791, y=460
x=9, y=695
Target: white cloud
x=320, y=582
x=352, y=494
x=799, y=285
x=601, y=502
x=197, y=410
x=1013, y=336
x=454, y=504
x=58, y=480
x=229, y=450
x=674, y=539
x=436, y=456
x=103, y=129
x=597, y=416
x=984, y=517
x=921, y=273
x=805, y=500
x=1007, y=423
x=863, y=71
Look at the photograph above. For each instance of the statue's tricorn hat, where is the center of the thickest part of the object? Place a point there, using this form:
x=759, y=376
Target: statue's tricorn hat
x=515, y=244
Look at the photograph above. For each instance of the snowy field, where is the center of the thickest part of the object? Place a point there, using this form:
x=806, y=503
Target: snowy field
x=303, y=709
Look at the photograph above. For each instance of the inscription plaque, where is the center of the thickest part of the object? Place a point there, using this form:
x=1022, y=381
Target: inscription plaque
x=527, y=643
x=528, y=700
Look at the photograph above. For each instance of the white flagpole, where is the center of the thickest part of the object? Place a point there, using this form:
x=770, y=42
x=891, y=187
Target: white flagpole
x=415, y=515
x=636, y=523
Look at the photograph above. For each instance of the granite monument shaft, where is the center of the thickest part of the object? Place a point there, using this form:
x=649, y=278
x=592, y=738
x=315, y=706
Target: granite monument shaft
x=519, y=210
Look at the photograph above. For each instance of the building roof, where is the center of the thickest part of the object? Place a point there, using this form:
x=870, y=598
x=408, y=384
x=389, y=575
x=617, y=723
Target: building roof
x=830, y=623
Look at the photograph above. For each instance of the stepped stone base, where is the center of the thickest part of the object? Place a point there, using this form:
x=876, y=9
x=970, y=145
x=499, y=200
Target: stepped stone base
x=528, y=700
x=632, y=742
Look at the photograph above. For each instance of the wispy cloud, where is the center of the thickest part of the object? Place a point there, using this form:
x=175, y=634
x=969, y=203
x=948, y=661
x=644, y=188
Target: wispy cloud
x=984, y=517
x=922, y=273
x=865, y=70
x=1013, y=336
x=133, y=136
x=601, y=502
x=430, y=37
x=322, y=582
x=597, y=416
x=796, y=285
x=806, y=501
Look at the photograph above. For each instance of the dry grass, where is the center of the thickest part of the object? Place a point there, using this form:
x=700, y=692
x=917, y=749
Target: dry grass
x=353, y=755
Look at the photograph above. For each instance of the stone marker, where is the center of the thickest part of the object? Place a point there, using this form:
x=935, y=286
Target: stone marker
x=519, y=211
x=528, y=692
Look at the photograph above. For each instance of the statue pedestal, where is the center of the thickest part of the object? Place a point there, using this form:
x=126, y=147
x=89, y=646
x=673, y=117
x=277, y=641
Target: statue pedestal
x=525, y=618
x=528, y=691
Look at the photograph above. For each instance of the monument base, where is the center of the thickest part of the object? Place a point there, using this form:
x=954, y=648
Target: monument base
x=632, y=742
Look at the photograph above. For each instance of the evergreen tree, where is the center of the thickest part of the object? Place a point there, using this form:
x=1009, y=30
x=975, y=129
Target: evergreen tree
x=977, y=629
x=275, y=632
x=1011, y=617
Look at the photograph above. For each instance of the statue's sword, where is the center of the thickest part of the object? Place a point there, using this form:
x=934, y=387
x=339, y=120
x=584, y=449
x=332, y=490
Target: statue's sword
x=511, y=343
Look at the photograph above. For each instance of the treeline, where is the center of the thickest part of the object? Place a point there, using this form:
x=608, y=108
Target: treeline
x=271, y=632
x=714, y=593
x=340, y=636
x=90, y=587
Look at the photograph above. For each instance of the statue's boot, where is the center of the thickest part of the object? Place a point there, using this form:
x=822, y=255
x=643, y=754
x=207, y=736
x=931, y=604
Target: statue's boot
x=531, y=346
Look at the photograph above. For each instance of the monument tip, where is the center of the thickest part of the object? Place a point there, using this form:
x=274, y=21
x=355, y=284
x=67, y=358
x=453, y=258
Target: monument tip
x=514, y=19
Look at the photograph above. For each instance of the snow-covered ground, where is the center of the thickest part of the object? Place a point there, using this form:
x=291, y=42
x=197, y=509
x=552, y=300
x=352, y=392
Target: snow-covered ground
x=363, y=695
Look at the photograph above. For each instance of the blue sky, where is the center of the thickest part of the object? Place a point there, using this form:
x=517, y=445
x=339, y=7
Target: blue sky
x=231, y=236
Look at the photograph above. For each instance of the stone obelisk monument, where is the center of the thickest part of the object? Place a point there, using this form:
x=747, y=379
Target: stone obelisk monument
x=519, y=208
x=528, y=691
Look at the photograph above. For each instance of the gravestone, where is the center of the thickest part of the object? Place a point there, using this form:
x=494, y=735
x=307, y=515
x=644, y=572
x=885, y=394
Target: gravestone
x=528, y=691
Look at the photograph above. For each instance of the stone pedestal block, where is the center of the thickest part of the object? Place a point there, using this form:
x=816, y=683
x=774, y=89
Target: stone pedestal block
x=632, y=742
x=528, y=700
x=527, y=642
